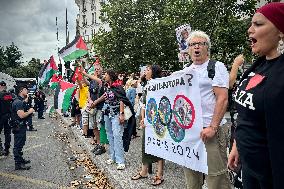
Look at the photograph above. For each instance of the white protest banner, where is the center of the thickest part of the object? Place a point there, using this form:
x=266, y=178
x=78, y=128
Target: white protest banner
x=174, y=120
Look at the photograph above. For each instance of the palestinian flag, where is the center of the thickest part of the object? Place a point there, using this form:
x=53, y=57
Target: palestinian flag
x=54, y=81
x=91, y=71
x=47, y=71
x=74, y=50
x=63, y=94
x=76, y=74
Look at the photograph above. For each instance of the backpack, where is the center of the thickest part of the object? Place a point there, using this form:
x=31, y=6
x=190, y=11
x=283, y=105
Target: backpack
x=210, y=68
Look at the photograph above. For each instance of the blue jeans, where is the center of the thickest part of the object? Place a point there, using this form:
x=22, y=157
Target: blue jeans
x=114, y=132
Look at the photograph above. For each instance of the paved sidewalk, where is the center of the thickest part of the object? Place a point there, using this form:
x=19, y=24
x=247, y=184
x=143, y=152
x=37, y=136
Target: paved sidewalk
x=173, y=173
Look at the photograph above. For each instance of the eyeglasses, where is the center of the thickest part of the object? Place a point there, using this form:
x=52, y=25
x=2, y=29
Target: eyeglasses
x=198, y=43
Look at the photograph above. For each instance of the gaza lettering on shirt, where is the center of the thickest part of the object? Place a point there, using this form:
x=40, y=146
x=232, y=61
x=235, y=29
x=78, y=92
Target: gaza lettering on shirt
x=244, y=98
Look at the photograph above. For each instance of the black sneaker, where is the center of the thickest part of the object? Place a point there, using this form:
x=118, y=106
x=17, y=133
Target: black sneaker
x=32, y=129
x=100, y=150
x=24, y=161
x=22, y=167
x=95, y=148
x=72, y=124
x=6, y=152
x=1, y=152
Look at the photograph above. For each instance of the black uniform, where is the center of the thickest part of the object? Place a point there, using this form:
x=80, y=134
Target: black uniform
x=19, y=127
x=41, y=100
x=5, y=113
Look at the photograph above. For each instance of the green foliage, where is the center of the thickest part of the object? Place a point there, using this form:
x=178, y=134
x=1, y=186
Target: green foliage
x=12, y=56
x=10, y=61
x=33, y=67
x=143, y=31
x=226, y=22
x=3, y=64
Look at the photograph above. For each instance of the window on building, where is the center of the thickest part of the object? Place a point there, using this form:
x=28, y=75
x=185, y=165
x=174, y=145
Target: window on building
x=93, y=18
x=93, y=5
x=84, y=20
x=84, y=6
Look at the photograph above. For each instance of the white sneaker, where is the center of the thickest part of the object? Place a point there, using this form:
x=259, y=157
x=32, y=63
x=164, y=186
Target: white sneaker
x=110, y=161
x=120, y=166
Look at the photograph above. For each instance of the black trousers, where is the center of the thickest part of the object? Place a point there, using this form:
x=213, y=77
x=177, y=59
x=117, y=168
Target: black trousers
x=30, y=120
x=40, y=109
x=19, y=142
x=7, y=131
x=251, y=181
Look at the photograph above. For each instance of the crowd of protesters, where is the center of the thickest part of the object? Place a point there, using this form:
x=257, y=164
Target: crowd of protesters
x=109, y=108
x=252, y=133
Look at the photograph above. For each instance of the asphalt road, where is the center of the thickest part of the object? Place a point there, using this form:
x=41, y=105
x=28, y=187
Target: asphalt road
x=52, y=151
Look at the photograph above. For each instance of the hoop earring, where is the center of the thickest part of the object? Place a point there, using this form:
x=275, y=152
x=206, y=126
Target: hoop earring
x=280, y=47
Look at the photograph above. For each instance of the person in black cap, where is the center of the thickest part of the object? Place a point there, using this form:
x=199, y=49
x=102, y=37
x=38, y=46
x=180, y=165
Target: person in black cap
x=5, y=113
x=20, y=113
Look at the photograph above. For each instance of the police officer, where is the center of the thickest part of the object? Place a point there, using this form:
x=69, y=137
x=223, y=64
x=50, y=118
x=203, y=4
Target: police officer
x=19, y=116
x=5, y=113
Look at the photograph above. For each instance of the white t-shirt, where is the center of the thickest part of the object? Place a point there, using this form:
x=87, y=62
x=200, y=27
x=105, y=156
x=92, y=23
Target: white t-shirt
x=206, y=84
x=139, y=88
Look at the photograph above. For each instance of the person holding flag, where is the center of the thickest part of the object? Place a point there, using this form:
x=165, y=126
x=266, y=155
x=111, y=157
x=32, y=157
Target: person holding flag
x=96, y=90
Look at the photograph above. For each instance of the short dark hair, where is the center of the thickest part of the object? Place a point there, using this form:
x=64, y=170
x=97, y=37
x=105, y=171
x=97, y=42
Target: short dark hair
x=112, y=74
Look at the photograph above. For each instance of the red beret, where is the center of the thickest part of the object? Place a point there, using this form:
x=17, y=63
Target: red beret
x=274, y=12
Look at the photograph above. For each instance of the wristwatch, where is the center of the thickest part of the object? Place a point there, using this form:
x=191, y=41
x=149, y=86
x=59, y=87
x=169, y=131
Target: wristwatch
x=121, y=113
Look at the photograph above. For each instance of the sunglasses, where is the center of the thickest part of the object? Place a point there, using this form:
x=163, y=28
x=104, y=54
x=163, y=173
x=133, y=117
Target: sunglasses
x=198, y=43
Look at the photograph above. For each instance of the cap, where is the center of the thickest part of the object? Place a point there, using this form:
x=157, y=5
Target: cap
x=19, y=88
x=2, y=83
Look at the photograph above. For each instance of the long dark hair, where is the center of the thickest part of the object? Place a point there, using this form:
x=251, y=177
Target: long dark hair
x=156, y=71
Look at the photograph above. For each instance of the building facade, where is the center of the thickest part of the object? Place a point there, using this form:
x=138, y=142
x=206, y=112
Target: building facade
x=88, y=20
